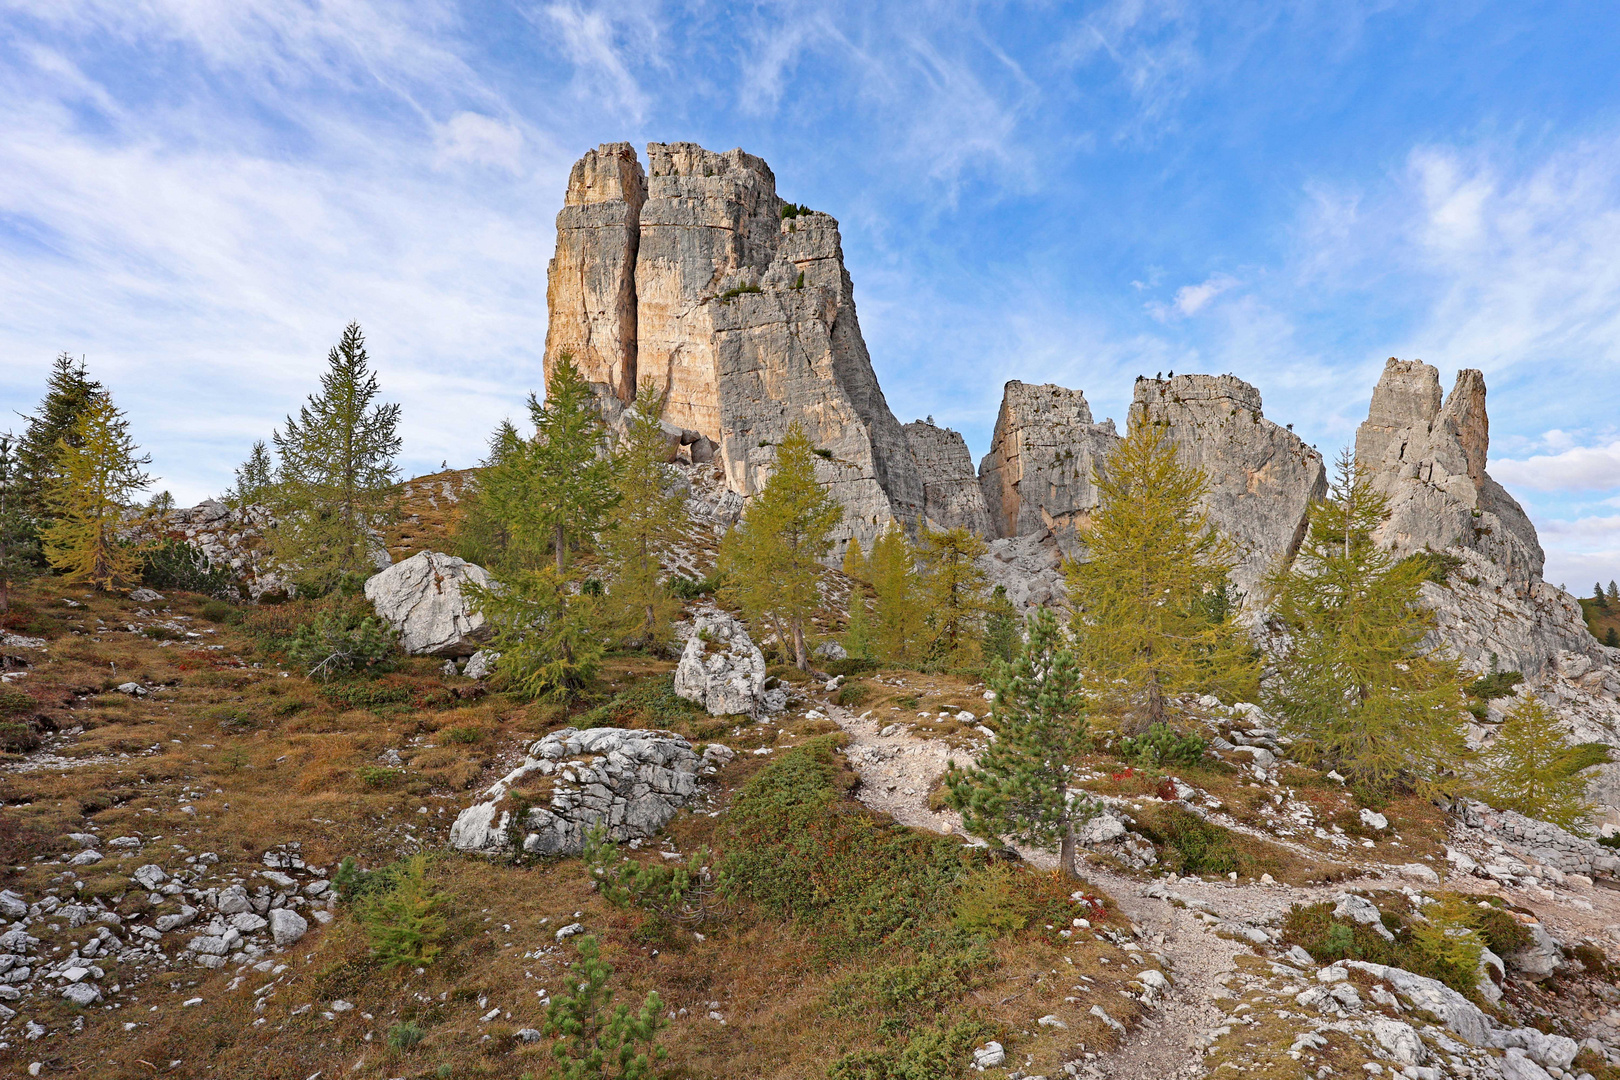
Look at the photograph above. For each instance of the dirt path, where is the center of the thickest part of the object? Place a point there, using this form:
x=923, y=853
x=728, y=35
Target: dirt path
x=898, y=769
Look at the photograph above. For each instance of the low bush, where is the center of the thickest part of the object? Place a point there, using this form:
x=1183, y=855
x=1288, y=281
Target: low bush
x=380, y=777
x=933, y=981
x=650, y=702
x=334, y=643
x=364, y=695
x=466, y=735
x=689, y=893
x=1445, y=943
x=18, y=737
x=853, y=695
x=934, y=1054
x=404, y=1036
x=1162, y=745
x=992, y=904
x=401, y=914
x=1438, y=566
x=221, y=612
x=1193, y=845
x=691, y=588
x=179, y=564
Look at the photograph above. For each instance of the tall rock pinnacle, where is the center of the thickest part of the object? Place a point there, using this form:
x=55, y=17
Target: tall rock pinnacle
x=691, y=278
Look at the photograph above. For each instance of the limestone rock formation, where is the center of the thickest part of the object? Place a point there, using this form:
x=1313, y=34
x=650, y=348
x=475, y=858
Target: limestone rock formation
x=745, y=316
x=1428, y=457
x=1261, y=476
x=591, y=288
x=1029, y=567
x=952, y=496
x=1037, y=477
x=421, y=599
x=721, y=668
x=631, y=782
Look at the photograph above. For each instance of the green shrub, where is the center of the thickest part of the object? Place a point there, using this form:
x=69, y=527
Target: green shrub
x=1313, y=928
x=18, y=737
x=691, y=588
x=1196, y=846
x=1438, y=566
x=220, y=612
x=732, y=294
x=333, y=643
x=992, y=904
x=233, y=719
x=689, y=893
x=402, y=916
x=379, y=776
x=935, y=1054
x=404, y=1036
x=597, y=1041
x=853, y=695
x=1448, y=943
x=649, y=702
x=364, y=695
x=929, y=984
x=1162, y=745
x=179, y=564
x=13, y=702
x=793, y=210
x=465, y=735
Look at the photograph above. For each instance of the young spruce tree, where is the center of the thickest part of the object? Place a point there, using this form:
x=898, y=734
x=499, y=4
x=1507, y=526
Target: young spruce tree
x=1002, y=627
x=337, y=481
x=255, y=479
x=571, y=481
x=1020, y=787
x=643, y=526
x=1531, y=769
x=953, y=594
x=19, y=539
x=1145, y=620
x=97, y=472
x=68, y=392
x=772, y=559
x=1353, y=682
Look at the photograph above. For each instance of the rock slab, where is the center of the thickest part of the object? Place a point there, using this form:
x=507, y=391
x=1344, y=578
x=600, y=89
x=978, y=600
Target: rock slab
x=422, y=599
x=721, y=668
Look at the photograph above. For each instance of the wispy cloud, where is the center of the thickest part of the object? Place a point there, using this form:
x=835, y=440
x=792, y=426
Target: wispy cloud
x=1581, y=468
x=1191, y=299
x=606, y=44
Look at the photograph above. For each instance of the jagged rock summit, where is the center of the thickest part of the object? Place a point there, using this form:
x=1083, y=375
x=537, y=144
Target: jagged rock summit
x=695, y=276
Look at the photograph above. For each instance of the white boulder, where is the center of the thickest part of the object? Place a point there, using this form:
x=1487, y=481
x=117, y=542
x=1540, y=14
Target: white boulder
x=721, y=668
x=421, y=598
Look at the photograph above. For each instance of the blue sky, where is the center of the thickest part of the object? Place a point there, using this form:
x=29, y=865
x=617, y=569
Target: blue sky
x=196, y=195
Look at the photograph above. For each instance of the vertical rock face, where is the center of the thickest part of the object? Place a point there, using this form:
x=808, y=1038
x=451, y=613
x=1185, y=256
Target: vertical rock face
x=1428, y=458
x=591, y=288
x=1037, y=476
x=747, y=319
x=951, y=493
x=1261, y=476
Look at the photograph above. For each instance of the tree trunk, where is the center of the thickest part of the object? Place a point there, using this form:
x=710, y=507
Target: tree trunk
x=1066, y=852
x=801, y=657
x=560, y=542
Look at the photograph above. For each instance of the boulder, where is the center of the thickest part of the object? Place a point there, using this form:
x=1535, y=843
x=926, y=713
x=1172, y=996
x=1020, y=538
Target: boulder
x=1037, y=477
x=630, y=782
x=481, y=665
x=1261, y=477
x=287, y=926
x=721, y=668
x=421, y=598
x=952, y=496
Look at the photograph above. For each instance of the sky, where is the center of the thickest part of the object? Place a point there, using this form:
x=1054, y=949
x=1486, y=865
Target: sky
x=197, y=195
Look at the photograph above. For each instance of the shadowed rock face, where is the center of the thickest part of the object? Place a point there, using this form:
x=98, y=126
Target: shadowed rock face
x=951, y=493
x=1037, y=477
x=1261, y=477
x=1428, y=458
x=697, y=284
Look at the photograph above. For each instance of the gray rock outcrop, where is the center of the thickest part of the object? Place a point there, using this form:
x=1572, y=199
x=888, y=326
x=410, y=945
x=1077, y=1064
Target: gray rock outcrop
x=1029, y=567
x=952, y=496
x=421, y=598
x=630, y=782
x=1541, y=841
x=698, y=284
x=1261, y=477
x=1428, y=458
x=721, y=668
x=1037, y=477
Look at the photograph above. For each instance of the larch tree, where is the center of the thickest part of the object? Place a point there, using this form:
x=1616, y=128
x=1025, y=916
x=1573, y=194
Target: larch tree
x=899, y=626
x=772, y=559
x=1020, y=786
x=643, y=526
x=1148, y=620
x=1353, y=683
x=98, y=470
x=1530, y=768
x=336, y=483
x=68, y=393
x=953, y=593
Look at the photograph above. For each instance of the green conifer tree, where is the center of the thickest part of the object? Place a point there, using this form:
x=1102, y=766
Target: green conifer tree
x=1530, y=768
x=854, y=560
x=858, y=640
x=1614, y=590
x=572, y=480
x=953, y=594
x=255, y=479
x=495, y=529
x=1020, y=787
x=1002, y=627
x=899, y=625
x=772, y=559
x=68, y=392
x=97, y=471
x=1354, y=684
x=1145, y=617
x=337, y=482
x=595, y=1039
x=546, y=630
x=643, y=526
x=19, y=538
x=1598, y=598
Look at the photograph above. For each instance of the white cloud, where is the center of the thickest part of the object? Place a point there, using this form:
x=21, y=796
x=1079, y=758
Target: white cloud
x=605, y=45
x=1191, y=299
x=480, y=140
x=1581, y=468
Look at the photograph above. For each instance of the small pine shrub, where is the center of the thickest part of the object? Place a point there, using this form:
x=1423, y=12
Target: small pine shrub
x=379, y=777
x=1196, y=846
x=853, y=695
x=689, y=893
x=220, y=612
x=1162, y=745
x=464, y=735
x=934, y=1054
x=691, y=588
x=991, y=903
x=793, y=210
x=403, y=1037
x=363, y=695
x=179, y=564
x=595, y=1039
x=332, y=644
x=402, y=916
